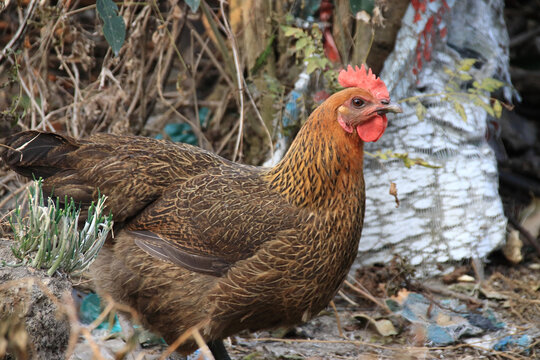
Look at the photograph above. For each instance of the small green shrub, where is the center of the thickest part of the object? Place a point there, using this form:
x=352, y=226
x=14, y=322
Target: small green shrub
x=47, y=235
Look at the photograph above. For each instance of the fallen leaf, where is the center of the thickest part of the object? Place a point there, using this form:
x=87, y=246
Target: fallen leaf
x=418, y=334
x=385, y=327
x=492, y=294
x=454, y=275
x=401, y=296
x=443, y=319
x=393, y=192
x=462, y=287
x=530, y=218
x=363, y=16
x=512, y=248
x=466, y=278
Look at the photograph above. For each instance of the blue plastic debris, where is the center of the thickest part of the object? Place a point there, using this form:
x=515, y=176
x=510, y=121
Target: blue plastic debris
x=179, y=133
x=204, y=116
x=183, y=132
x=524, y=342
x=292, y=109
x=194, y=356
x=486, y=322
x=90, y=310
x=438, y=335
x=444, y=321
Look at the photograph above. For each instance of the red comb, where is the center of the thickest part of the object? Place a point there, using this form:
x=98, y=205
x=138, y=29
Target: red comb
x=363, y=78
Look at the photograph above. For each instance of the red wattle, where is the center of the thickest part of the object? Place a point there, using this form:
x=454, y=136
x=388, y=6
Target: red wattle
x=373, y=129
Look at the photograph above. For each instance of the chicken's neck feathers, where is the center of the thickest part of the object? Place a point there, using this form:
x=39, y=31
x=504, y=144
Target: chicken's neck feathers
x=323, y=165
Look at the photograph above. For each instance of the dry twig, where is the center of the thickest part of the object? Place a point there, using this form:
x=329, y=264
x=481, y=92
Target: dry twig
x=11, y=46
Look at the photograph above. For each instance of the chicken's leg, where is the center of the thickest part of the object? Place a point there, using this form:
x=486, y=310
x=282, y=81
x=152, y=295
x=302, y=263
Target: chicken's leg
x=218, y=350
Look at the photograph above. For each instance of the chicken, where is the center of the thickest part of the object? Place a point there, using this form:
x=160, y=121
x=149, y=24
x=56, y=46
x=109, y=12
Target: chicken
x=214, y=244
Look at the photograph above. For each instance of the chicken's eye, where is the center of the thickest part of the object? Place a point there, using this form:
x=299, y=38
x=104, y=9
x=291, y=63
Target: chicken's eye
x=357, y=102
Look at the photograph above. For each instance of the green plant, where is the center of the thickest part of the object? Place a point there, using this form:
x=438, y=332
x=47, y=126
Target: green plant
x=309, y=49
x=48, y=237
x=114, y=27
x=404, y=157
x=479, y=93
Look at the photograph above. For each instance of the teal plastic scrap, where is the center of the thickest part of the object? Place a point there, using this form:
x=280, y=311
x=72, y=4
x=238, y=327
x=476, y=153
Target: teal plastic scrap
x=90, y=310
x=523, y=342
x=183, y=132
x=444, y=321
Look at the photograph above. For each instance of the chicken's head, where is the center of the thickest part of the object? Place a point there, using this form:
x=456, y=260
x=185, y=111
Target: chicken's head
x=366, y=103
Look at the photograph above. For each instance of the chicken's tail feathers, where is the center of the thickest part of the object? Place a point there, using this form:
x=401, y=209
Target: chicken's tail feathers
x=37, y=154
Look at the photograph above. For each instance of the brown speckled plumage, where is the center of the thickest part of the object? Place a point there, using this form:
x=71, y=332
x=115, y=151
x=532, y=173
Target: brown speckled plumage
x=208, y=242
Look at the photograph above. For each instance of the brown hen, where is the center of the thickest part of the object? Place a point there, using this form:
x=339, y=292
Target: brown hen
x=206, y=242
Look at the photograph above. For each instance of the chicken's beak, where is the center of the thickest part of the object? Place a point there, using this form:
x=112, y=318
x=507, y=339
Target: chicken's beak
x=393, y=108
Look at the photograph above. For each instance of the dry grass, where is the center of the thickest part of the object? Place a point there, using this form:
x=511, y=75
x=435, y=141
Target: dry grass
x=58, y=73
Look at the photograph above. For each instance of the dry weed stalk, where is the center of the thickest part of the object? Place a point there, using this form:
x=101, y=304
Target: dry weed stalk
x=69, y=81
x=522, y=296
x=240, y=81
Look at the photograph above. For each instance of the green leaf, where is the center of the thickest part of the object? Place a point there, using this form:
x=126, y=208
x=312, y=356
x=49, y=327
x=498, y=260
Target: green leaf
x=312, y=65
x=465, y=77
x=316, y=32
x=292, y=31
x=497, y=108
x=466, y=64
x=114, y=27
x=420, y=111
x=477, y=99
x=449, y=89
x=460, y=110
x=448, y=72
x=490, y=84
x=408, y=162
x=486, y=107
x=261, y=59
x=309, y=50
x=324, y=62
x=193, y=4
x=274, y=86
x=301, y=43
x=359, y=5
